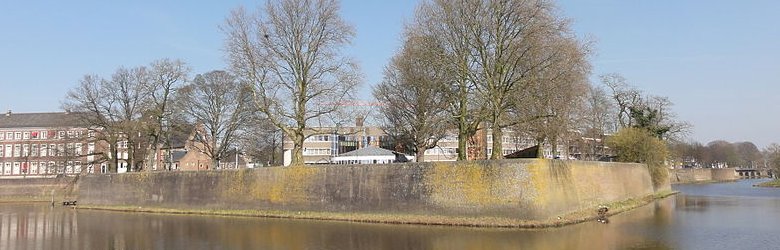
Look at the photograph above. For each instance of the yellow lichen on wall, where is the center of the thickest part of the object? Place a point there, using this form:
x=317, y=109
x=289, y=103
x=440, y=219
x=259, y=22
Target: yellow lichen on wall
x=539, y=171
x=293, y=184
x=234, y=184
x=471, y=184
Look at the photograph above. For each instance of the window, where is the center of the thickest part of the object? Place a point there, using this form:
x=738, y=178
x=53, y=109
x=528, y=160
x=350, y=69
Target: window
x=61, y=134
x=43, y=150
x=60, y=149
x=316, y=151
x=25, y=150
x=9, y=136
x=2, y=153
x=26, y=136
x=52, y=148
x=44, y=134
x=70, y=134
x=91, y=133
x=34, y=168
x=42, y=167
x=2, y=136
x=18, y=135
x=34, y=150
x=78, y=149
x=8, y=150
x=70, y=149
x=17, y=150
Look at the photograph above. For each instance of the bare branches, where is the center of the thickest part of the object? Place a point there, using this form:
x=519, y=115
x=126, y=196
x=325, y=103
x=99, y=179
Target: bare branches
x=216, y=103
x=413, y=93
x=499, y=50
x=131, y=106
x=291, y=54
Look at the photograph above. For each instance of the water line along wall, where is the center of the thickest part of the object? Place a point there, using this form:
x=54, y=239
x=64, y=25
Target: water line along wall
x=512, y=189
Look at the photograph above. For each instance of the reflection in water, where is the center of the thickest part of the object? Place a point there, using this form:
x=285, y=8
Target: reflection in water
x=681, y=222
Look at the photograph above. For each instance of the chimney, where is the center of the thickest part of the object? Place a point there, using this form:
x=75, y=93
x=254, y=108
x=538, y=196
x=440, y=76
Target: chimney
x=9, y=113
x=359, y=121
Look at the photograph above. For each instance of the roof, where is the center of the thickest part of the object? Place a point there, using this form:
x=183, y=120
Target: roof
x=177, y=155
x=531, y=152
x=40, y=120
x=371, y=150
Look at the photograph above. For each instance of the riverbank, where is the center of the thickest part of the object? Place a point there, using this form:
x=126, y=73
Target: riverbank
x=589, y=214
x=772, y=184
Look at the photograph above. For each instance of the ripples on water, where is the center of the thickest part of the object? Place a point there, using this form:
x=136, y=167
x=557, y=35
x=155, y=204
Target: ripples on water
x=708, y=216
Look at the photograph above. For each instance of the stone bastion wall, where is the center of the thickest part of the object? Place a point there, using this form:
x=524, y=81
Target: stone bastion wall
x=532, y=189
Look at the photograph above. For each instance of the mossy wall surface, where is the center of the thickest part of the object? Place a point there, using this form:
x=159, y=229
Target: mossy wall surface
x=36, y=189
x=692, y=175
x=518, y=189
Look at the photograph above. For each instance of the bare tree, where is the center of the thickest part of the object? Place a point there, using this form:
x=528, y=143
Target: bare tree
x=215, y=102
x=634, y=109
x=291, y=53
x=413, y=93
x=132, y=108
x=447, y=22
x=112, y=107
x=163, y=79
x=556, y=98
x=772, y=158
x=261, y=142
x=495, y=46
x=624, y=95
x=596, y=121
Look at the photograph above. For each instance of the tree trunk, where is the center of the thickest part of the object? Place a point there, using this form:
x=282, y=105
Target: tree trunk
x=297, y=151
x=463, y=137
x=498, y=149
x=419, y=156
x=540, y=147
x=114, y=166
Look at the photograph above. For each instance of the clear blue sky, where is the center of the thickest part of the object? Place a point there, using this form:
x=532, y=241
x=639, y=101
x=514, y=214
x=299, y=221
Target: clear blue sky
x=718, y=61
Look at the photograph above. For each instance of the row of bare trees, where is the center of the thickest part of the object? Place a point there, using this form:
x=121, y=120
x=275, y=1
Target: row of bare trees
x=137, y=111
x=464, y=65
x=506, y=64
x=493, y=63
x=132, y=106
x=718, y=153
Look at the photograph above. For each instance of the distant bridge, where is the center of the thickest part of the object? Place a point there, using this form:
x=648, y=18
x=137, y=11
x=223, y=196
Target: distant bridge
x=754, y=172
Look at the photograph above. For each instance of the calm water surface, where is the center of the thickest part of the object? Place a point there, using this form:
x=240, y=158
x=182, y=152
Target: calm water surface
x=706, y=216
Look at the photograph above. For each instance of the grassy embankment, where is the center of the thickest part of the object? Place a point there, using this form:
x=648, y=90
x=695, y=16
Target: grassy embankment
x=568, y=219
x=773, y=183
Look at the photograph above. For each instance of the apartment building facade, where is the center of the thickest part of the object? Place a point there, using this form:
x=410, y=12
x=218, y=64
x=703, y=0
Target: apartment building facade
x=44, y=144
